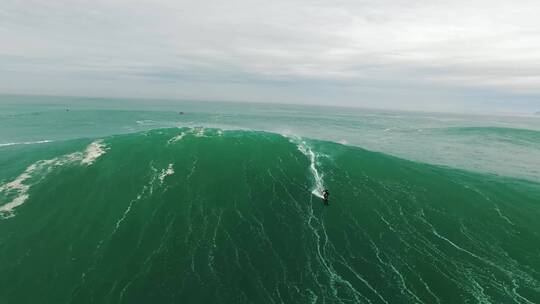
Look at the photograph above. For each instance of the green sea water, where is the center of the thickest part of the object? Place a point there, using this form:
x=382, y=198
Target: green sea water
x=132, y=202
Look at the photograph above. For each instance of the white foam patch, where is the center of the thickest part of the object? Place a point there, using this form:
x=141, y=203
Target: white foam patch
x=176, y=138
x=199, y=132
x=146, y=122
x=19, y=188
x=93, y=152
x=20, y=185
x=166, y=172
x=6, y=211
x=25, y=143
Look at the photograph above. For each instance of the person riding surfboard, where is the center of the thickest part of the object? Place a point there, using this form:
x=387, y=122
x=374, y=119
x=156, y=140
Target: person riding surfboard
x=325, y=194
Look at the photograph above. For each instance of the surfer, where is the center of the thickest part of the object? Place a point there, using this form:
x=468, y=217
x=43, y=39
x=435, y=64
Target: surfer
x=325, y=195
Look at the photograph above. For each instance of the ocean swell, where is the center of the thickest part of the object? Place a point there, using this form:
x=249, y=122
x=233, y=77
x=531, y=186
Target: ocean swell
x=228, y=216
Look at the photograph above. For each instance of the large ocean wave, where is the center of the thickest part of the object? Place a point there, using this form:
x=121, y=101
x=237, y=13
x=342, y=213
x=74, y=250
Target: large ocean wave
x=197, y=215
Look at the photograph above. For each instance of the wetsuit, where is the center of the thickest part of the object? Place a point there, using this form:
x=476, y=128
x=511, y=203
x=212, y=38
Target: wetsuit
x=325, y=194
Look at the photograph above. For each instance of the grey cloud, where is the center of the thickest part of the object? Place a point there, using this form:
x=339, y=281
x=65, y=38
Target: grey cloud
x=435, y=49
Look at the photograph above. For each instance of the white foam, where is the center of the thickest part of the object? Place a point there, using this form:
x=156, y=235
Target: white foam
x=303, y=147
x=20, y=186
x=166, y=172
x=25, y=143
x=176, y=138
x=93, y=152
x=199, y=132
x=6, y=211
x=146, y=122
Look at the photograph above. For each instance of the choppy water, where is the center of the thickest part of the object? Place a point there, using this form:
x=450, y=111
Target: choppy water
x=131, y=202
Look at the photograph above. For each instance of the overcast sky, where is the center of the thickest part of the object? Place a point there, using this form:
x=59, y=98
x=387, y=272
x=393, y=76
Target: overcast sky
x=435, y=55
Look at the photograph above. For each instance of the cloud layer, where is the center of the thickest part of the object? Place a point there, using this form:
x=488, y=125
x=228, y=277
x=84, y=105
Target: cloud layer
x=403, y=54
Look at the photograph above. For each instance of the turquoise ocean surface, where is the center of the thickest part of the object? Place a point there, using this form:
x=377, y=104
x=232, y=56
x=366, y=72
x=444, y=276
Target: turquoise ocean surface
x=156, y=201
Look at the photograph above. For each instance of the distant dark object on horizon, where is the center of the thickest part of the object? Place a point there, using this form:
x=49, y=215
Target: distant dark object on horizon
x=181, y=113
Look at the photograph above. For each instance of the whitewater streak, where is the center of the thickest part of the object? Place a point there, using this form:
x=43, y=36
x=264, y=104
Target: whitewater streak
x=303, y=147
x=37, y=171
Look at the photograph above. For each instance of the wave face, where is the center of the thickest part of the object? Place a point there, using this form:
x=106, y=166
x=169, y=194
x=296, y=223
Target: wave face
x=210, y=216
